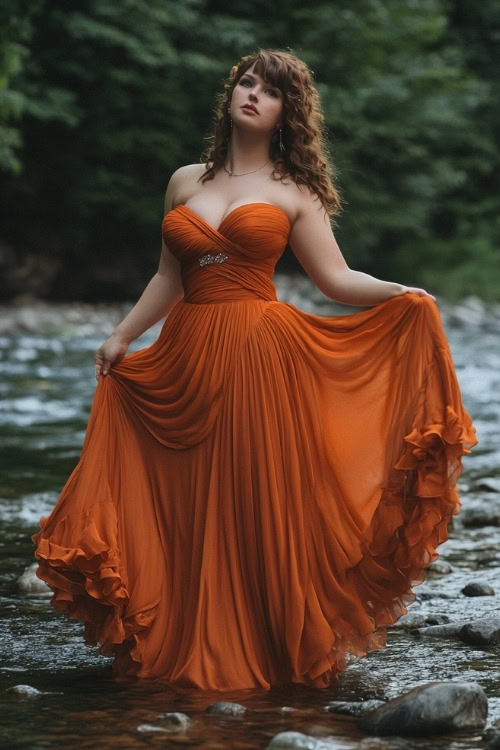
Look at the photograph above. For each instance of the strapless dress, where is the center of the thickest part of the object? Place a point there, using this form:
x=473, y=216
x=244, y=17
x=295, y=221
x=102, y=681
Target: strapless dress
x=261, y=488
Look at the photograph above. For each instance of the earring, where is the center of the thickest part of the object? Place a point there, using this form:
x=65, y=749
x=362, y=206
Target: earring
x=229, y=112
x=282, y=148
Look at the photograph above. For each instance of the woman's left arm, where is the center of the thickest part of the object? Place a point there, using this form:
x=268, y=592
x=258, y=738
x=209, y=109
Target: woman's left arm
x=316, y=248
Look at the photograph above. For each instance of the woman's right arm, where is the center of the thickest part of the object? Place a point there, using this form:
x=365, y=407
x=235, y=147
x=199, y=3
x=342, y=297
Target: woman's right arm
x=160, y=295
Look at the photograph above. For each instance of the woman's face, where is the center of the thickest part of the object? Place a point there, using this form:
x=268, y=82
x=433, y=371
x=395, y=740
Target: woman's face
x=251, y=89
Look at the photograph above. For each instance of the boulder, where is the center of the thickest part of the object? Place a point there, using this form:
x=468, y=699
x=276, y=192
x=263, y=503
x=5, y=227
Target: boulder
x=434, y=708
x=482, y=632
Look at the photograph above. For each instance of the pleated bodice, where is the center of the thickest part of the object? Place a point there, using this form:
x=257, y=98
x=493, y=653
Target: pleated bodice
x=235, y=261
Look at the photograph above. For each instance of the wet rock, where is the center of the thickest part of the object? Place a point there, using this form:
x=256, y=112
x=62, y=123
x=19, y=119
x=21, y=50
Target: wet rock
x=424, y=593
x=227, y=708
x=30, y=585
x=352, y=708
x=419, y=620
x=299, y=741
x=482, y=632
x=410, y=621
x=438, y=568
x=177, y=719
x=487, y=556
x=492, y=735
x=477, y=518
x=478, y=589
x=150, y=728
x=441, y=631
x=435, y=708
x=489, y=484
x=26, y=691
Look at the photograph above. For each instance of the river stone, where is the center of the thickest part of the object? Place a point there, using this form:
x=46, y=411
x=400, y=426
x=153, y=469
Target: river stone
x=441, y=631
x=27, y=691
x=438, y=568
x=477, y=518
x=352, y=708
x=28, y=583
x=489, y=484
x=478, y=589
x=299, y=741
x=226, y=707
x=176, y=718
x=483, y=632
x=424, y=592
x=434, y=708
x=150, y=728
x=419, y=620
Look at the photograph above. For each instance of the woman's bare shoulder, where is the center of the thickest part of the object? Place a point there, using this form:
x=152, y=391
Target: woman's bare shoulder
x=295, y=199
x=181, y=183
x=187, y=173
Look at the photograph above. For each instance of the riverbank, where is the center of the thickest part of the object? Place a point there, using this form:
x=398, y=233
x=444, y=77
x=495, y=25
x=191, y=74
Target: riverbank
x=27, y=315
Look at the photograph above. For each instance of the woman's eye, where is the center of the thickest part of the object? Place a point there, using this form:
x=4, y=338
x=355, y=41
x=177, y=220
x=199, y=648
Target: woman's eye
x=246, y=80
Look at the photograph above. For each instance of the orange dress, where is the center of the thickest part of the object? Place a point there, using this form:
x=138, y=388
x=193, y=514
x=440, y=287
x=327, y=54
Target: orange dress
x=259, y=489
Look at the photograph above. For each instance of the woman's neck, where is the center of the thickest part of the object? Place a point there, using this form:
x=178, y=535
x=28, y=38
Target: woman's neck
x=247, y=151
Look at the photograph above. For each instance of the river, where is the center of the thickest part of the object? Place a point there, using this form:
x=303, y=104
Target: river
x=47, y=384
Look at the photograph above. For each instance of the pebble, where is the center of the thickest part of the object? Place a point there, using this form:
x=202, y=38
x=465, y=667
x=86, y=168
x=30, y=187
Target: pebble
x=478, y=589
x=434, y=708
x=227, y=708
x=176, y=718
x=28, y=583
x=150, y=728
x=300, y=741
x=438, y=568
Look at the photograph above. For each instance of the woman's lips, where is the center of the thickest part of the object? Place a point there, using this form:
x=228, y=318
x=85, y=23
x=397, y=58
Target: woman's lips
x=245, y=108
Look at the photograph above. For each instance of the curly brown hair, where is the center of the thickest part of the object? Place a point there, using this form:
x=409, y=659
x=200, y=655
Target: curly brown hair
x=304, y=158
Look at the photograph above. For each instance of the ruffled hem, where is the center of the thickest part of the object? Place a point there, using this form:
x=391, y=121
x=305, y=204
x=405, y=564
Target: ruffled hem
x=410, y=522
x=89, y=585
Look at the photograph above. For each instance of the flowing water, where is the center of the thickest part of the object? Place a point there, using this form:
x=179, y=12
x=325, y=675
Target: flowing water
x=47, y=384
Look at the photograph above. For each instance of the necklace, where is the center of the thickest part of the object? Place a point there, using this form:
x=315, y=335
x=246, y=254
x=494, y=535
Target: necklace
x=232, y=174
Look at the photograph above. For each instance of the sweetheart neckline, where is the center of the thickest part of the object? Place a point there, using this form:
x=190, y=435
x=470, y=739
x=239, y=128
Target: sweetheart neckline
x=242, y=205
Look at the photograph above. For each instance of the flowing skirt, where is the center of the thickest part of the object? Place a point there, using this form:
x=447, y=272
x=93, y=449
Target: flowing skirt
x=258, y=492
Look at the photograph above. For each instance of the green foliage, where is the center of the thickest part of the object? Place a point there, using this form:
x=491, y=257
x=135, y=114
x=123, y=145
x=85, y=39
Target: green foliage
x=100, y=102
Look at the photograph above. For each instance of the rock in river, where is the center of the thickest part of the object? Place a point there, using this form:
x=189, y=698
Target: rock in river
x=434, y=708
x=478, y=589
x=483, y=632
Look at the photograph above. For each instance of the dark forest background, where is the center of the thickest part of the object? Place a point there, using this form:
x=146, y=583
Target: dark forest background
x=101, y=101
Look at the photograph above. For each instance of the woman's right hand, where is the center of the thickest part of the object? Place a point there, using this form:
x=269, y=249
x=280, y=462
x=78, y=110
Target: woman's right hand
x=110, y=353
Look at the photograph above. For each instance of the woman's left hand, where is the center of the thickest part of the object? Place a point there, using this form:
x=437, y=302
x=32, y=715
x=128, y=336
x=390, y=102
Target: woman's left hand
x=416, y=290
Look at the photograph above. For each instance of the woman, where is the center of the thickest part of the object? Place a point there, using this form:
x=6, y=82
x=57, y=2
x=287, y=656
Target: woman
x=260, y=489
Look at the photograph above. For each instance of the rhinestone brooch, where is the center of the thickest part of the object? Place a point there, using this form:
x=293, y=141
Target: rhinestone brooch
x=209, y=258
